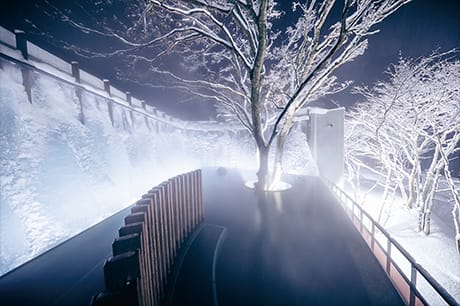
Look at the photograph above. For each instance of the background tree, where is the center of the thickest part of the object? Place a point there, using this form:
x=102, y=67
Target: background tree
x=410, y=125
x=262, y=63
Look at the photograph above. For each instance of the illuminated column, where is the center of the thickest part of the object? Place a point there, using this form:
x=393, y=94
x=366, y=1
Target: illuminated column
x=325, y=136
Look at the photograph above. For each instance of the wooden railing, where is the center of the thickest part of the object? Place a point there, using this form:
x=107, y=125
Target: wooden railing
x=407, y=286
x=144, y=254
x=16, y=49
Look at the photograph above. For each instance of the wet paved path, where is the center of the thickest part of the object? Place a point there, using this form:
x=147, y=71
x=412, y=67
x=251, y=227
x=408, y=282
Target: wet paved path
x=295, y=247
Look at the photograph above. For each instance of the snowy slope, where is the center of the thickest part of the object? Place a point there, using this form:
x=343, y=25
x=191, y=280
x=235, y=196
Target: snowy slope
x=59, y=176
x=436, y=253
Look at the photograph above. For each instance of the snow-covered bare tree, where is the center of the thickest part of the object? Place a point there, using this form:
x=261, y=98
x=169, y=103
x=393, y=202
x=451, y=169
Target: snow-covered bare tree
x=408, y=128
x=262, y=63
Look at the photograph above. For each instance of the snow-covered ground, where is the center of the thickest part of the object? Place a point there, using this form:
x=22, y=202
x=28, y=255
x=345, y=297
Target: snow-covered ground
x=59, y=176
x=436, y=253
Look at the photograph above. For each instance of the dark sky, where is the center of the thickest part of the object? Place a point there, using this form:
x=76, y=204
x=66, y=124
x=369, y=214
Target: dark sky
x=415, y=30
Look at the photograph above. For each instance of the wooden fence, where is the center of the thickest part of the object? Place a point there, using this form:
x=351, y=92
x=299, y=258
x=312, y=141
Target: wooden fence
x=17, y=50
x=144, y=253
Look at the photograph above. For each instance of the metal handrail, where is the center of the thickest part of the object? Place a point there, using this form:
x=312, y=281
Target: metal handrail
x=415, y=267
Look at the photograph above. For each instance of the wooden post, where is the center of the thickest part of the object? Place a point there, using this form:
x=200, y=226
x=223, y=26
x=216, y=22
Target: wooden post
x=144, y=206
x=76, y=71
x=107, y=86
x=412, y=284
x=160, y=239
x=76, y=75
x=109, y=102
x=130, y=103
x=21, y=43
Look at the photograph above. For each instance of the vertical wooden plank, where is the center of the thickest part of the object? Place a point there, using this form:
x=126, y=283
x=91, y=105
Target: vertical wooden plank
x=187, y=204
x=184, y=206
x=133, y=221
x=159, y=241
x=173, y=202
x=145, y=206
x=160, y=230
x=192, y=199
x=171, y=237
x=200, y=197
x=196, y=198
x=167, y=226
x=181, y=207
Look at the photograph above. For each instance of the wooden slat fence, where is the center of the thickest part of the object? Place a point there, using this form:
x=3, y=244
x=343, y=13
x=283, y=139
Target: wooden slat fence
x=144, y=253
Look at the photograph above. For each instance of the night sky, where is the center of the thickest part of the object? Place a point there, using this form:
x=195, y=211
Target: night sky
x=413, y=31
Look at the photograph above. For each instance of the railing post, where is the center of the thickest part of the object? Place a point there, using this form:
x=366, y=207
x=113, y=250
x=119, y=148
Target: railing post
x=373, y=236
x=147, y=123
x=76, y=75
x=21, y=43
x=413, y=284
x=130, y=103
x=109, y=102
x=107, y=86
x=361, y=220
x=353, y=211
x=76, y=71
x=388, y=266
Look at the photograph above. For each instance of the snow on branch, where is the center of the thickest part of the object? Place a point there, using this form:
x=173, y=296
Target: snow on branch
x=407, y=129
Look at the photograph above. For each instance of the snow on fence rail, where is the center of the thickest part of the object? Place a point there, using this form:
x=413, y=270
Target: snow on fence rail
x=41, y=55
x=399, y=265
x=33, y=58
x=7, y=37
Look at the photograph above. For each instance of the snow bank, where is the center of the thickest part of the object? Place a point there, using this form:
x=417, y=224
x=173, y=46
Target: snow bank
x=436, y=253
x=59, y=176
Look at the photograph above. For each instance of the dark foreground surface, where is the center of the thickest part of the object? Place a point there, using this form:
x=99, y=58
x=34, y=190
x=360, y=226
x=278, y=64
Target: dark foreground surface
x=68, y=274
x=295, y=247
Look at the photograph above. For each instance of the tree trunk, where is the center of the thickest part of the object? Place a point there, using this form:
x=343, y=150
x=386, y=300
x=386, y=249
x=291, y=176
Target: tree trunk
x=427, y=187
x=412, y=181
x=386, y=192
x=455, y=195
x=430, y=200
x=256, y=75
x=262, y=172
x=280, y=143
x=402, y=190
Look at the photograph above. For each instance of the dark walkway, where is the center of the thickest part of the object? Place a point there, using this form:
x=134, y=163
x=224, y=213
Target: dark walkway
x=296, y=247
x=67, y=275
